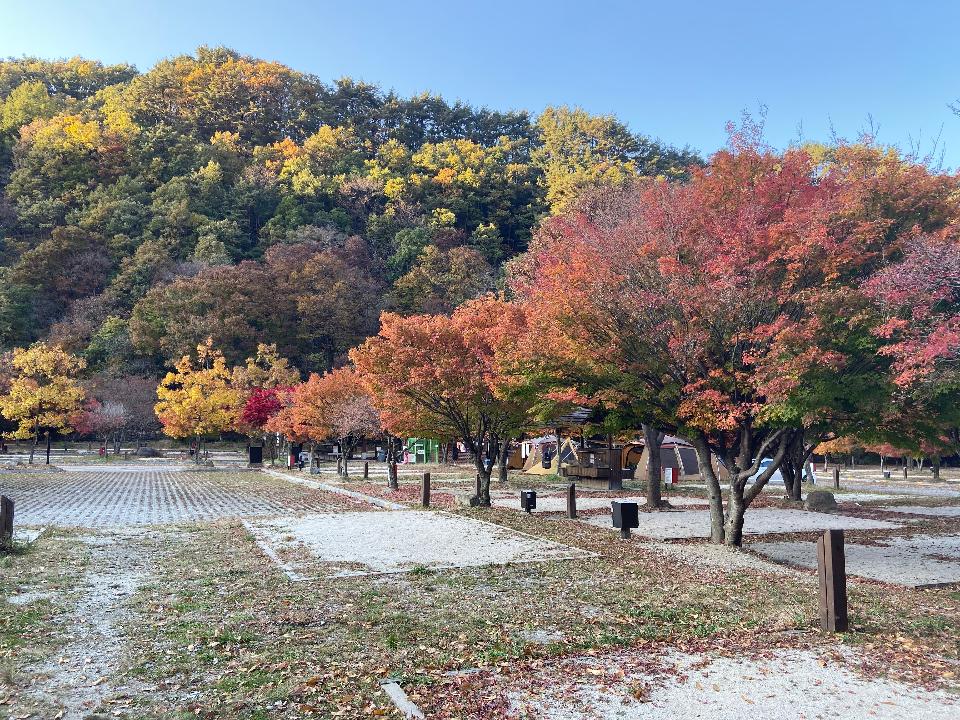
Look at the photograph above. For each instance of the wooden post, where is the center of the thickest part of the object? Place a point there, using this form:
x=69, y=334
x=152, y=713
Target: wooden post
x=905, y=473
x=836, y=477
x=831, y=569
x=572, y=500
x=366, y=470
x=425, y=490
x=6, y=522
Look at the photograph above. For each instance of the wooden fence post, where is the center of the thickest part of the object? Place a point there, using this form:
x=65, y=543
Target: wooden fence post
x=832, y=572
x=366, y=470
x=425, y=490
x=572, y=500
x=836, y=478
x=6, y=522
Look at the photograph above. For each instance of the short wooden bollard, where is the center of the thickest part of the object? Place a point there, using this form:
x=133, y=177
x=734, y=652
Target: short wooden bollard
x=572, y=500
x=425, y=490
x=905, y=475
x=366, y=470
x=6, y=522
x=836, y=478
x=832, y=571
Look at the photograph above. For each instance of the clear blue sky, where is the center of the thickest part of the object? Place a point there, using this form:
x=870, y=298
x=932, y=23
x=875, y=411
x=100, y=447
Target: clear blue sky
x=675, y=69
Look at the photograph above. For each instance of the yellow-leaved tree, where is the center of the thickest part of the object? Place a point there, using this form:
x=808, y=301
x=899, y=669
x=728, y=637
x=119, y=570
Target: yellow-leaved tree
x=43, y=394
x=197, y=398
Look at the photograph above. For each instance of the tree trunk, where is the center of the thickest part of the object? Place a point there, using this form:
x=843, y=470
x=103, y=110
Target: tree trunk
x=33, y=445
x=502, y=456
x=704, y=460
x=793, y=465
x=733, y=528
x=345, y=454
x=935, y=462
x=652, y=440
x=483, y=499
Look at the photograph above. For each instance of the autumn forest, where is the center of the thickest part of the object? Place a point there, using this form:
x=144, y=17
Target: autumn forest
x=222, y=196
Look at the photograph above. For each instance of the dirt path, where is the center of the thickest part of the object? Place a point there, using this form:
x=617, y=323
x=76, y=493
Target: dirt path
x=88, y=675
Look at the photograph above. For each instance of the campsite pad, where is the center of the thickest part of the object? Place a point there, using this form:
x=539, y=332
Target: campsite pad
x=363, y=543
x=918, y=561
x=760, y=521
x=895, y=487
x=860, y=497
x=133, y=496
x=558, y=503
x=784, y=685
x=950, y=511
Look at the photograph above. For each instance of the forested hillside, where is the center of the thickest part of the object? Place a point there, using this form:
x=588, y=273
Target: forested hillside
x=225, y=196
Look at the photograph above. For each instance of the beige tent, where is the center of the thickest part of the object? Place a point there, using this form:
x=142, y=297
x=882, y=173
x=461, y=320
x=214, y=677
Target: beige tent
x=674, y=453
x=534, y=449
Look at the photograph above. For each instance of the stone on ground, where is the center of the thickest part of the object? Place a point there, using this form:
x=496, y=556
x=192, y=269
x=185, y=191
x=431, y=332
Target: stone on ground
x=820, y=501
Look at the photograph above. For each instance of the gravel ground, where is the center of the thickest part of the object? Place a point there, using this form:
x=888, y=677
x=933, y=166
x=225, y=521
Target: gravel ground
x=859, y=496
x=89, y=670
x=915, y=562
x=361, y=543
x=718, y=556
x=558, y=503
x=788, y=685
x=902, y=489
x=758, y=521
x=948, y=511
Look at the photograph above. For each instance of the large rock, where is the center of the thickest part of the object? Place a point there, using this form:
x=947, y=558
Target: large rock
x=146, y=451
x=821, y=501
x=466, y=499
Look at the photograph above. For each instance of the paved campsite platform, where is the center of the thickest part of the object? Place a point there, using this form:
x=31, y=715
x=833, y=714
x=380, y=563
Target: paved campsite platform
x=919, y=561
x=946, y=511
x=685, y=524
x=558, y=503
x=130, y=496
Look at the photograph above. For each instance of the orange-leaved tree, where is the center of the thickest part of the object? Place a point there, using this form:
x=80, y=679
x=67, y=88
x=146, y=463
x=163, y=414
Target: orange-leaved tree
x=450, y=375
x=332, y=406
x=710, y=306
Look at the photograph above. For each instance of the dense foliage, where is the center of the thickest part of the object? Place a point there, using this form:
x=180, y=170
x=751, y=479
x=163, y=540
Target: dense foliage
x=221, y=195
